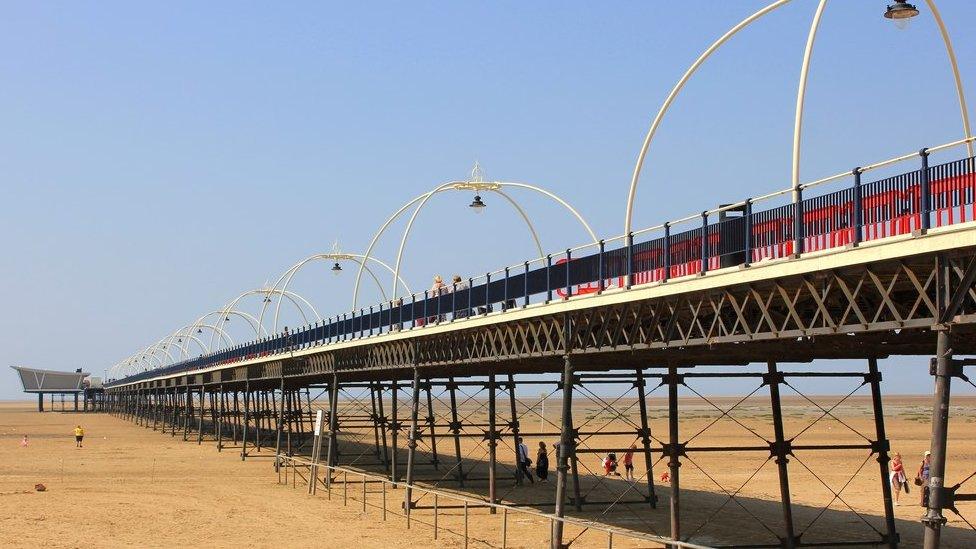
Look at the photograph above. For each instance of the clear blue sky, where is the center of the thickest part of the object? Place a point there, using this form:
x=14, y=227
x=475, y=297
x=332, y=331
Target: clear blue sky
x=156, y=160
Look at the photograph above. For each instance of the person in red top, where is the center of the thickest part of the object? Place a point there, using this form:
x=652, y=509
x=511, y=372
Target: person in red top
x=629, y=463
x=898, y=479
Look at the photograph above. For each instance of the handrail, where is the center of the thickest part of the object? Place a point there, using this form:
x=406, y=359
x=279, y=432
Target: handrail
x=582, y=523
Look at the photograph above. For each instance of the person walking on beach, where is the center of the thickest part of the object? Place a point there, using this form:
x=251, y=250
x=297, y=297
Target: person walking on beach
x=542, y=463
x=898, y=479
x=79, y=435
x=610, y=465
x=524, y=463
x=629, y=463
x=922, y=477
x=24, y=442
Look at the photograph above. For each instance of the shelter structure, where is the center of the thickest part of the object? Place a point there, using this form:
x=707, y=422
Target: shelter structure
x=53, y=382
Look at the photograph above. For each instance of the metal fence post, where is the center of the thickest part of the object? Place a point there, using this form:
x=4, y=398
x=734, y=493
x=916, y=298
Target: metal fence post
x=704, y=243
x=630, y=260
x=602, y=268
x=925, y=192
x=747, y=245
x=667, y=251
x=569, y=287
x=858, y=205
x=548, y=278
x=798, y=222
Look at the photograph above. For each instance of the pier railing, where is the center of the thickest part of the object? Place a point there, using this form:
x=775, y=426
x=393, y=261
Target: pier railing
x=731, y=235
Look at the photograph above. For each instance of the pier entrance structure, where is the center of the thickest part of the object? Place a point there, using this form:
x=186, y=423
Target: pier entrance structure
x=57, y=383
x=867, y=271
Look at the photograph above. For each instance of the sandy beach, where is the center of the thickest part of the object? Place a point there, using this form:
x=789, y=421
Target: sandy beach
x=132, y=487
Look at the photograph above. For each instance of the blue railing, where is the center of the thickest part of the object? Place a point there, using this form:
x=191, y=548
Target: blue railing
x=928, y=197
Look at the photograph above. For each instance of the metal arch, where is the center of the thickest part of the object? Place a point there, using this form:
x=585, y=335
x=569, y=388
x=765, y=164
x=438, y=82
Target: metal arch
x=560, y=201
x=252, y=322
x=525, y=217
x=158, y=347
x=413, y=217
x=186, y=331
x=801, y=93
x=951, y=53
x=805, y=67
x=267, y=292
x=628, y=218
x=372, y=243
x=362, y=260
x=494, y=186
x=215, y=329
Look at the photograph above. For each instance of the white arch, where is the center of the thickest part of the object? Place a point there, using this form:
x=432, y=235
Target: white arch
x=224, y=315
x=187, y=332
x=628, y=218
x=477, y=186
x=361, y=260
x=805, y=68
x=267, y=293
x=631, y=195
x=801, y=93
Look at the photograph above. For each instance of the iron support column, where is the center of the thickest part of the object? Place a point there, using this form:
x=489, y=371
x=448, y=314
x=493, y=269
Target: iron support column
x=456, y=429
x=247, y=419
x=874, y=376
x=332, y=457
x=492, y=447
x=645, y=436
x=933, y=519
x=394, y=433
x=674, y=445
x=412, y=440
x=566, y=442
x=781, y=449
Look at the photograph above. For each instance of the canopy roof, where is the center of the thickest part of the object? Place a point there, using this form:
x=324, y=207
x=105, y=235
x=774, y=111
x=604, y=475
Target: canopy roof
x=36, y=380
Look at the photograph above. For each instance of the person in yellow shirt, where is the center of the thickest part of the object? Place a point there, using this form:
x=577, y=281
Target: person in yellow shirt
x=79, y=435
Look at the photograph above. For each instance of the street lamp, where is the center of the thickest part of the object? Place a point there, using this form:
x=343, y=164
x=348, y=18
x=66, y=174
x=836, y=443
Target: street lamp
x=336, y=268
x=901, y=13
x=477, y=205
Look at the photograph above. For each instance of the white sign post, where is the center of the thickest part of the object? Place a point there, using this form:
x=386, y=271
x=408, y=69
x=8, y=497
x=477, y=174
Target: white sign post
x=313, y=473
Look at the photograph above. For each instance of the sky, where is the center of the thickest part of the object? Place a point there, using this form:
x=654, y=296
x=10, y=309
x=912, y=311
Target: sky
x=158, y=160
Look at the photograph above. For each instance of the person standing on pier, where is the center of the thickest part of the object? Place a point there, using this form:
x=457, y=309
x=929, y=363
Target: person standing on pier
x=79, y=435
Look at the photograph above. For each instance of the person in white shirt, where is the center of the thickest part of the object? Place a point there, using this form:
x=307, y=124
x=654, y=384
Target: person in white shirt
x=523, y=467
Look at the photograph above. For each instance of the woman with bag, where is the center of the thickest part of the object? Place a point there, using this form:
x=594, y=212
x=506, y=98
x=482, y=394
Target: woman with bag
x=898, y=479
x=922, y=477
